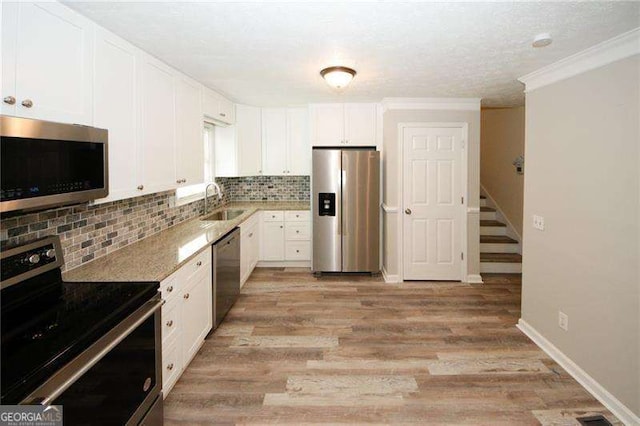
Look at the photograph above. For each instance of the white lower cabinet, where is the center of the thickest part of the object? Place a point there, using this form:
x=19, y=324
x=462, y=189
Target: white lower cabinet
x=285, y=236
x=186, y=316
x=249, y=246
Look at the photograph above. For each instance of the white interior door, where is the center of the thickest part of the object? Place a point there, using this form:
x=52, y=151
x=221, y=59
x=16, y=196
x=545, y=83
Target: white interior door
x=432, y=203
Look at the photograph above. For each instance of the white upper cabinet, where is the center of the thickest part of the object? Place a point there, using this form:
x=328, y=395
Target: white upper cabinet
x=115, y=108
x=299, y=149
x=360, y=124
x=189, y=144
x=249, y=140
x=344, y=124
x=285, y=142
x=217, y=108
x=157, y=125
x=47, y=64
x=327, y=124
x=274, y=141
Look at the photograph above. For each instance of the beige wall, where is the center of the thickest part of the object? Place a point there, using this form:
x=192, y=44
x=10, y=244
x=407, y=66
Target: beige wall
x=391, y=157
x=582, y=175
x=501, y=141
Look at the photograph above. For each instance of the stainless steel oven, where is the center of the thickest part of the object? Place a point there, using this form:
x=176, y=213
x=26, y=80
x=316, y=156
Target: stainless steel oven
x=92, y=347
x=47, y=164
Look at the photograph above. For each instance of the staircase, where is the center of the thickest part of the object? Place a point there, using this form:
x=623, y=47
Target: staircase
x=498, y=252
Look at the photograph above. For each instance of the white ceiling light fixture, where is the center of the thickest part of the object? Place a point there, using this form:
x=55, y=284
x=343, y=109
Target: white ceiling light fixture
x=338, y=77
x=542, y=40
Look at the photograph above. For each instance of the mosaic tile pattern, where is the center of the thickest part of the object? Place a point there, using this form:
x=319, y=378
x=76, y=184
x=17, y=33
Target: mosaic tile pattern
x=90, y=232
x=268, y=188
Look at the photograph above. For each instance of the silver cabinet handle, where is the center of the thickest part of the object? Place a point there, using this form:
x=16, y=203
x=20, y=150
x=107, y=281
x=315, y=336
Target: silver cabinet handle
x=170, y=367
x=140, y=187
x=297, y=231
x=179, y=181
x=169, y=289
x=259, y=172
x=9, y=100
x=251, y=235
x=27, y=103
x=297, y=251
x=186, y=296
x=199, y=263
x=222, y=114
x=280, y=226
x=407, y=211
x=169, y=323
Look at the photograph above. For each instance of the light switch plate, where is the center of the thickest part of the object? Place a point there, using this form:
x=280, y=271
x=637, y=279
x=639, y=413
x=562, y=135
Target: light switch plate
x=538, y=222
x=563, y=321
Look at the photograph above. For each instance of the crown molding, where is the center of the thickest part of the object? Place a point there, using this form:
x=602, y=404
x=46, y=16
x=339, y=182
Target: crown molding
x=615, y=49
x=449, y=104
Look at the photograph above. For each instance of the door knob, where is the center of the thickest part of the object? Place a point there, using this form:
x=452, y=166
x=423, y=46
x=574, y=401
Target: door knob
x=407, y=211
x=28, y=103
x=9, y=100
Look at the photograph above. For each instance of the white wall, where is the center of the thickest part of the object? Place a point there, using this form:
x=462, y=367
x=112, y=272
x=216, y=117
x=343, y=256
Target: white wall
x=391, y=158
x=583, y=176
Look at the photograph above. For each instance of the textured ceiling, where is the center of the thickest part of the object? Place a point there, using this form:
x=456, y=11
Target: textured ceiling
x=271, y=53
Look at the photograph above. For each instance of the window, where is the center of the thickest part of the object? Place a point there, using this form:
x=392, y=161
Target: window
x=191, y=193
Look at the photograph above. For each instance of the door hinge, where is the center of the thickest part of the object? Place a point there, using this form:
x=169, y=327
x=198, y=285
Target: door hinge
x=462, y=256
x=461, y=200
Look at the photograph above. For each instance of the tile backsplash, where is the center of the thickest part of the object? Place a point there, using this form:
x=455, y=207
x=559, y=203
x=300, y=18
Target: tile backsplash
x=267, y=188
x=90, y=232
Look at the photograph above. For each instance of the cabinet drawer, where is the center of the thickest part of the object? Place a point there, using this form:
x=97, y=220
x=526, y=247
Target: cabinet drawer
x=297, y=250
x=171, y=365
x=169, y=320
x=297, y=216
x=273, y=216
x=297, y=231
x=196, y=264
x=169, y=288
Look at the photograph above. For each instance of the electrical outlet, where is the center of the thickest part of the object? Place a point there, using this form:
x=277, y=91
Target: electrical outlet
x=563, y=321
x=538, y=222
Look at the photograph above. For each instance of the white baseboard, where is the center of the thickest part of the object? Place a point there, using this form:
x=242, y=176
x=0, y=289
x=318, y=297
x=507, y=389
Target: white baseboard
x=284, y=264
x=389, y=278
x=474, y=279
x=620, y=410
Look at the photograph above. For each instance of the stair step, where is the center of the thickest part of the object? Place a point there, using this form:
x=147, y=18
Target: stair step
x=500, y=268
x=491, y=223
x=500, y=258
x=496, y=239
x=487, y=209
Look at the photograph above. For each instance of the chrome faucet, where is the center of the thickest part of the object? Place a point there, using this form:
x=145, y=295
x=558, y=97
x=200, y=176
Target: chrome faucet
x=206, y=193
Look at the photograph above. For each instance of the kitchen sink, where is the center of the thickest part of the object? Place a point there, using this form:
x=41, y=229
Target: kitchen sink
x=223, y=215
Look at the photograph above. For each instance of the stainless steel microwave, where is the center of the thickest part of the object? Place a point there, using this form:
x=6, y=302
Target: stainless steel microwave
x=47, y=164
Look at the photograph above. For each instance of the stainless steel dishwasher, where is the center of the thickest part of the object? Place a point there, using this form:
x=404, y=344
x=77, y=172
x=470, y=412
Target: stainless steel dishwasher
x=226, y=275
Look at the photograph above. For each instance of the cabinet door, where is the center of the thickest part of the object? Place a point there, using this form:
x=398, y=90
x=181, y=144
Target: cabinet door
x=8, y=37
x=272, y=241
x=189, y=142
x=157, y=126
x=210, y=103
x=249, y=249
x=226, y=155
x=299, y=149
x=115, y=109
x=249, y=140
x=52, y=62
x=327, y=124
x=274, y=141
x=226, y=111
x=360, y=124
x=196, y=315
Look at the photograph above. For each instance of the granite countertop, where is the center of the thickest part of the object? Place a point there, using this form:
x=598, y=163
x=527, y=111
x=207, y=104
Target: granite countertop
x=158, y=256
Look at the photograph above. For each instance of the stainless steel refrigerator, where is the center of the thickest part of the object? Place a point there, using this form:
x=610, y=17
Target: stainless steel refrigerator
x=346, y=210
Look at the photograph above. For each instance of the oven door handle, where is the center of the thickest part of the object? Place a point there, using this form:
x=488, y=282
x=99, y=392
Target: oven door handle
x=71, y=372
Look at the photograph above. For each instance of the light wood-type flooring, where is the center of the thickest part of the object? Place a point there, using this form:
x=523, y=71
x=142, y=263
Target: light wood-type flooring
x=343, y=350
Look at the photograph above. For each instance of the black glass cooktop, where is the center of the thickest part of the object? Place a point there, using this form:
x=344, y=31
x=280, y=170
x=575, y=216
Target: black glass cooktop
x=43, y=332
